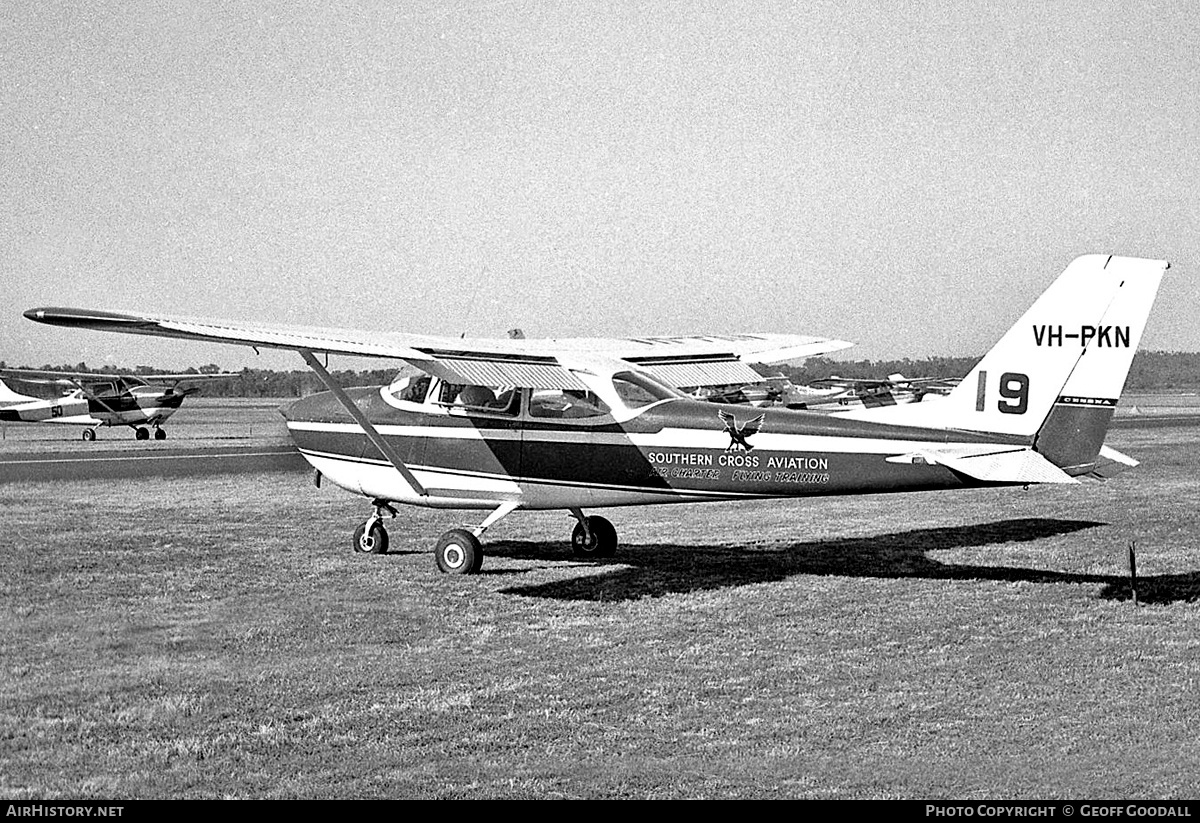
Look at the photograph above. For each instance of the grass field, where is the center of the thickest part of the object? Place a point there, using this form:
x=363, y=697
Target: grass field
x=172, y=638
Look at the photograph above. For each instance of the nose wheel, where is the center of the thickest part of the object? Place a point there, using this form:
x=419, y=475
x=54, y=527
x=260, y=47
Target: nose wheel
x=371, y=537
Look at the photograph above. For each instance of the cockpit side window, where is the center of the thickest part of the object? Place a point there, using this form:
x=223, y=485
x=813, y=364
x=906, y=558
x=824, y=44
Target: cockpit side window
x=472, y=398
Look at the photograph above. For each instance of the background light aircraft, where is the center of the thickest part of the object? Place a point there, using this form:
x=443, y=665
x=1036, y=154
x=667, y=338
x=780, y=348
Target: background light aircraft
x=831, y=394
x=893, y=390
x=95, y=400
x=502, y=425
x=767, y=391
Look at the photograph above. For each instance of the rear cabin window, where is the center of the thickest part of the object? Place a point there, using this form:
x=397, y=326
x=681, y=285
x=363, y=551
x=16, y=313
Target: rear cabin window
x=568, y=405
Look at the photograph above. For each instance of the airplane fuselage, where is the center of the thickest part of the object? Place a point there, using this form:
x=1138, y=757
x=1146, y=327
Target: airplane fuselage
x=73, y=410
x=677, y=450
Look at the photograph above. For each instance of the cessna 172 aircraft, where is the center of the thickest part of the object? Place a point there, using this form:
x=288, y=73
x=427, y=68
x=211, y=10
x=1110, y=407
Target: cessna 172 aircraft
x=502, y=425
x=96, y=400
x=895, y=389
x=829, y=394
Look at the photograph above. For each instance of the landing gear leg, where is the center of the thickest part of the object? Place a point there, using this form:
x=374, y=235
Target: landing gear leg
x=593, y=536
x=459, y=551
x=371, y=537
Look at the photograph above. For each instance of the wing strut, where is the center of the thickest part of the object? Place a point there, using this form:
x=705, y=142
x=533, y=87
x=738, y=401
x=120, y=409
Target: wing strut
x=361, y=419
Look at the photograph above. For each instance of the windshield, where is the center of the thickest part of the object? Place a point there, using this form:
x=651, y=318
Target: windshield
x=411, y=388
x=638, y=390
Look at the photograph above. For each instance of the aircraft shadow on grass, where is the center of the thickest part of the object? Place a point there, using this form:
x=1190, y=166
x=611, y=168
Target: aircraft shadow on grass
x=654, y=570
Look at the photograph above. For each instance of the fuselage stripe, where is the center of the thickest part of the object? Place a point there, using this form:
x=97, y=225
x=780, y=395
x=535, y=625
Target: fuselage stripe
x=698, y=494
x=665, y=438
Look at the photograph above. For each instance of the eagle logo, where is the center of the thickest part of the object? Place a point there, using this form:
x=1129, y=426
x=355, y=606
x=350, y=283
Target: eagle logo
x=738, y=434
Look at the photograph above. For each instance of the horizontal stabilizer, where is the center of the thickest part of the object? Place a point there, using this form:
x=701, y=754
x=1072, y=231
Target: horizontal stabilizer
x=1110, y=463
x=1013, y=466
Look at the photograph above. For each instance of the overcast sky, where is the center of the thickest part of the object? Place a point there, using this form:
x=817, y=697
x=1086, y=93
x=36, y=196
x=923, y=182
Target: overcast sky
x=908, y=176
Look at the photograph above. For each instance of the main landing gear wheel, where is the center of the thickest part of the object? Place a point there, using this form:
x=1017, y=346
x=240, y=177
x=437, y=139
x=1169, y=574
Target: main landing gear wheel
x=371, y=538
x=89, y=435
x=601, y=542
x=459, y=552
x=160, y=434
x=142, y=433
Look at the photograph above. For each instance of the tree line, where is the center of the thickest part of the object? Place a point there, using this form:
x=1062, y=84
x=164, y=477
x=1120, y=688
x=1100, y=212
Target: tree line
x=1151, y=371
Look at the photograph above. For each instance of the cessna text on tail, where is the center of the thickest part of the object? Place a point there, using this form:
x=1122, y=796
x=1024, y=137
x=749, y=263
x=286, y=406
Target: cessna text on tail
x=501, y=425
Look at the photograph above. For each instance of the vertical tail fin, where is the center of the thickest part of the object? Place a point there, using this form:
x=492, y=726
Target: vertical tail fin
x=1068, y=355
x=1072, y=435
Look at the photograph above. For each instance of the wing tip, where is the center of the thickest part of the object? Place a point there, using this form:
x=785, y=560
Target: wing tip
x=58, y=316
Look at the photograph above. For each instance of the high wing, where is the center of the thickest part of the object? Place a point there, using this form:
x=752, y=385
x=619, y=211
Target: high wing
x=40, y=378
x=847, y=382
x=185, y=378
x=51, y=376
x=544, y=363
x=883, y=382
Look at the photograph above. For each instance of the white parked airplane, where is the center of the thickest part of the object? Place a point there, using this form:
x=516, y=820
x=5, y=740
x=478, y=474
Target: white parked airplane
x=515, y=424
x=99, y=399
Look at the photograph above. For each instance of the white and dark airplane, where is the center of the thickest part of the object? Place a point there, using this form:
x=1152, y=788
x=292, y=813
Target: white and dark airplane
x=828, y=394
x=767, y=391
x=502, y=425
x=142, y=402
x=870, y=392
